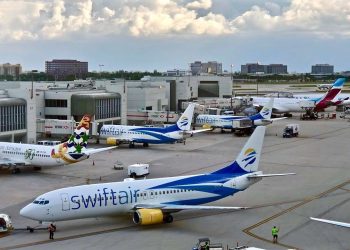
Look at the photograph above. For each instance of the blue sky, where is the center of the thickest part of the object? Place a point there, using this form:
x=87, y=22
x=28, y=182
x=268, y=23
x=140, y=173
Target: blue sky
x=168, y=34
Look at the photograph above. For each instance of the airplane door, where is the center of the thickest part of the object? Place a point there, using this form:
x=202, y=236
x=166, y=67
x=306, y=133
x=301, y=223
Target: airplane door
x=144, y=195
x=65, y=202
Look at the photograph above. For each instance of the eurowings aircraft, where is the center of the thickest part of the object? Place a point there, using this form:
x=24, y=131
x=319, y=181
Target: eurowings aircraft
x=226, y=121
x=117, y=134
x=72, y=151
x=286, y=105
x=337, y=223
x=152, y=201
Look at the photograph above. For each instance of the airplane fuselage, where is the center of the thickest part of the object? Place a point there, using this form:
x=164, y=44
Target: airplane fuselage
x=121, y=197
x=217, y=121
x=29, y=154
x=141, y=134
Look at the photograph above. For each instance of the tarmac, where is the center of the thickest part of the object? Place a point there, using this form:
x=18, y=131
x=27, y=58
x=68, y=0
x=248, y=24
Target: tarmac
x=321, y=188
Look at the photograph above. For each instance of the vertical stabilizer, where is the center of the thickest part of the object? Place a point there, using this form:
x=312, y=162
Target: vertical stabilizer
x=249, y=157
x=334, y=91
x=265, y=113
x=72, y=150
x=184, y=122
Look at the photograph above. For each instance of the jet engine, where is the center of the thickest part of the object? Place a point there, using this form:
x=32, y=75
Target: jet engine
x=147, y=216
x=112, y=141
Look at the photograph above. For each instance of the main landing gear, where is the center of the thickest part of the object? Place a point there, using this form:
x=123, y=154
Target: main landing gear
x=168, y=218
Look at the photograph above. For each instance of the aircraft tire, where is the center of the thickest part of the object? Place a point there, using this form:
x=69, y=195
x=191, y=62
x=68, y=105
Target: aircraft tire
x=145, y=145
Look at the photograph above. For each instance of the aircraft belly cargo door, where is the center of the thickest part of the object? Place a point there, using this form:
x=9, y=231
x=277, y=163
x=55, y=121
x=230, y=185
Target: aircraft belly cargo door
x=65, y=202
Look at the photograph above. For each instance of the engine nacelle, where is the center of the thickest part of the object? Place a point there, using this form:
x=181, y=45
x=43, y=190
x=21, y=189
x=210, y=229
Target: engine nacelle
x=145, y=216
x=112, y=141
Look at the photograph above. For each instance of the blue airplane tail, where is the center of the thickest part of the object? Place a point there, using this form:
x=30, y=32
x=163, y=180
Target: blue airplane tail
x=249, y=157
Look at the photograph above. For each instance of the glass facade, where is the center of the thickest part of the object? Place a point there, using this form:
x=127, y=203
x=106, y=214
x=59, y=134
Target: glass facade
x=12, y=117
x=107, y=108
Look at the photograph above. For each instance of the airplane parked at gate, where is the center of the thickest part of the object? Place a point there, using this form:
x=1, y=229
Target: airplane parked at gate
x=226, y=121
x=72, y=151
x=152, y=201
x=286, y=105
x=116, y=134
x=337, y=223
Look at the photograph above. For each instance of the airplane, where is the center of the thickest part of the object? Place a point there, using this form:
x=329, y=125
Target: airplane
x=226, y=121
x=287, y=105
x=71, y=151
x=152, y=201
x=116, y=134
x=5, y=223
x=337, y=223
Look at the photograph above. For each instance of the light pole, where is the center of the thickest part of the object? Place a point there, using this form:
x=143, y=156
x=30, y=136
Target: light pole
x=32, y=90
x=101, y=65
x=231, y=85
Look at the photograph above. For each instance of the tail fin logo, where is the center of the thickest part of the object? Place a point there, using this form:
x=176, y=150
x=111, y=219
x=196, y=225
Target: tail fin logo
x=249, y=157
x=183, y=122
x=265, y=111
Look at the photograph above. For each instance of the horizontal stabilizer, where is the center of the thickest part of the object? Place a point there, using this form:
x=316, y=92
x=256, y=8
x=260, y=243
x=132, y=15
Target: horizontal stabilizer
x=268, y=175
x=337, y=223
x=97, y=150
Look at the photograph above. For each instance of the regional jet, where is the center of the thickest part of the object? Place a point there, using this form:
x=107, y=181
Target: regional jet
x=226, y=121
x=286, y=105
x=74, y=150
x=116, y=134
x=152, y=201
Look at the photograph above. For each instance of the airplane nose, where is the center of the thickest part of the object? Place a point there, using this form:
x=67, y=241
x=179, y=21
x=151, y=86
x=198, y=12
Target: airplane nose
x=26, y=211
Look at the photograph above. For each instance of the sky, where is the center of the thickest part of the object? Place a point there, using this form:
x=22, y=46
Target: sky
x=170, y=34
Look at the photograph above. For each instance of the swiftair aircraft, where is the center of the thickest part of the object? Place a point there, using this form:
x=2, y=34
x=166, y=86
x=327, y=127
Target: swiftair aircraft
x=226, y=121
x=152, y=201
x=72, y=151
x=117, y=134
x=286, y=105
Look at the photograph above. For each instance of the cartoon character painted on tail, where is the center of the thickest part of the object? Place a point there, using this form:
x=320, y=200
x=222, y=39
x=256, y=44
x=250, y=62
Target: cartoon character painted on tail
x=73, y=150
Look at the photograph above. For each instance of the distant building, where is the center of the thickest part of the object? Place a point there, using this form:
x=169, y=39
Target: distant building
x=256, y=68
x=11, y=70
x=277, y=69
x=61, y=69
x=322, y=69
x=176, y=72
x=211, y=67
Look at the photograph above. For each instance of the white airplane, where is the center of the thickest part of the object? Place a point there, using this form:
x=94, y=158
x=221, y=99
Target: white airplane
x=151, y=201
x=117, y=134
x=286, y=105
x=337, y=223
x=72, y=151
x=5, y=223
x=226, y=121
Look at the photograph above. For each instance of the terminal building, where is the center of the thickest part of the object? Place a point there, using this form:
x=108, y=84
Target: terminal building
x=211, y=67
x=30, y=111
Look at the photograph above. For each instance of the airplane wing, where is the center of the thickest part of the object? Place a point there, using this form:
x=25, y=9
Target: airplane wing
x=267, y=175
x=337, y=223
x=277, y=119
x=172, y=208
x=8, y=161
x=97, y=150
x=197, y=131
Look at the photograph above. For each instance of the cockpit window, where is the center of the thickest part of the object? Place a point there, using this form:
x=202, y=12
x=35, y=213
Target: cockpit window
x=41, y=201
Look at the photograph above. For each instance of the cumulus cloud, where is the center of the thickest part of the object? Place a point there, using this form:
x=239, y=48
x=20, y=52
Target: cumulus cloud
x=51, y=19
x=201, y=4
